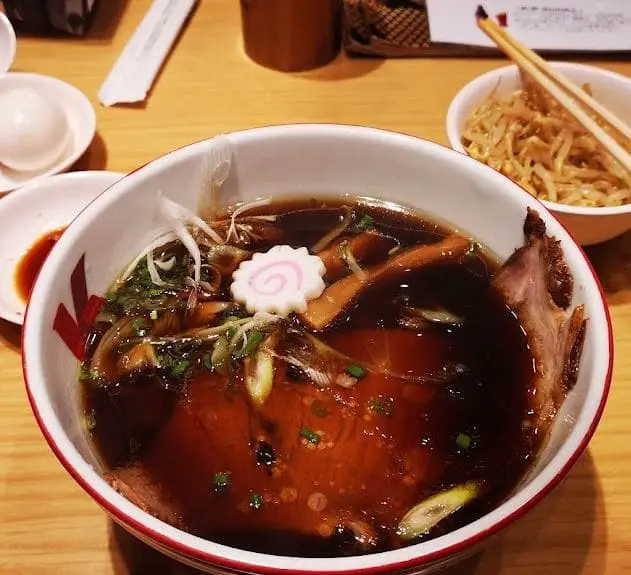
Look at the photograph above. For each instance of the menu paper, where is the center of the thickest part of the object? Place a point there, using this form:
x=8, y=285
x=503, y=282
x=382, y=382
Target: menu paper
x=135, y=70
x=562, y=25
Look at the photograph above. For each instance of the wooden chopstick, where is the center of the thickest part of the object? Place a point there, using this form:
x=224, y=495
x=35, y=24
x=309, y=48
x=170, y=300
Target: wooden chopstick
x=542, y=74
x=623, y=130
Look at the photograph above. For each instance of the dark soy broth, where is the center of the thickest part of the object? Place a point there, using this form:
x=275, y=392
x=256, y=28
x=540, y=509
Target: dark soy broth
x=327, y=471
x=29, y=265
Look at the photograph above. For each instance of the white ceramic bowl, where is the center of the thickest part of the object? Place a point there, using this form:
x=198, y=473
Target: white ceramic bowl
x=300, y=159
x=39, y=208
x=588, y=225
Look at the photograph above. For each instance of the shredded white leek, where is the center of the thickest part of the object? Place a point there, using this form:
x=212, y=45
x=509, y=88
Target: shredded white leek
x=260, y=319
x=320, y=378
x=176, y=215
x=216, y=165
x=192, y=299
x=166, y=265
x=164, y=238
x=351, y=262
x=232, y=229
x=270, y=218
x=335, y=232
x=153, y=270
x=184, y=215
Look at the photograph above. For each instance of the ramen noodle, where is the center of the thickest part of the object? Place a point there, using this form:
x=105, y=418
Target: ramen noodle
x=530, y=138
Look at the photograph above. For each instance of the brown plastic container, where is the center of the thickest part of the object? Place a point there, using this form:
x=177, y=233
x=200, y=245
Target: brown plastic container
x=291, y=35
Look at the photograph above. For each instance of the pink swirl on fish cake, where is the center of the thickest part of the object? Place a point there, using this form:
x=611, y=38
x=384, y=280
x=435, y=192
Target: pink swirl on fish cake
x=280, y=281
x=269, y=279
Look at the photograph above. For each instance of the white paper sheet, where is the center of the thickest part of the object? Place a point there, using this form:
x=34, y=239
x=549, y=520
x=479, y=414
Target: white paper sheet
x=137, y=66
x=568, y=25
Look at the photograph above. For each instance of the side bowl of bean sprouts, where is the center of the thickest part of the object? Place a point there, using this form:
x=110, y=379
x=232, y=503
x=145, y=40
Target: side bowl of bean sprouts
x=503, y=119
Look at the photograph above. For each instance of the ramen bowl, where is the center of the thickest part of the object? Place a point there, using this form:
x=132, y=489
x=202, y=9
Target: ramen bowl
x=589, y=225
x=281, y=160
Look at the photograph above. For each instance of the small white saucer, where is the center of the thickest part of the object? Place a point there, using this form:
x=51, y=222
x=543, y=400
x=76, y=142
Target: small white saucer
x=81, y=121
x=43, y=206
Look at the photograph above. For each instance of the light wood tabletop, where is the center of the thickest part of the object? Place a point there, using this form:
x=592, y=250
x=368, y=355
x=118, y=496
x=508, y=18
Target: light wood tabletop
x=49, y=525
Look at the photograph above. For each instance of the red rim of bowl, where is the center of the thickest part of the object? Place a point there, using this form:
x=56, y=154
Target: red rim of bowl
x=449, y=550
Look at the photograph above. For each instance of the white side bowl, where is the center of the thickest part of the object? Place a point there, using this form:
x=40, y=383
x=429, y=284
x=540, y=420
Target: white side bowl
x=290, y=160
x=39, y=208
x=588, y=225
x=79, y=114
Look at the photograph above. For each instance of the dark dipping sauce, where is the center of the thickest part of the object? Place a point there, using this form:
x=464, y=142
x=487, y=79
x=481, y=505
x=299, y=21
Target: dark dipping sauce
x=32, y=261
x=330, y=472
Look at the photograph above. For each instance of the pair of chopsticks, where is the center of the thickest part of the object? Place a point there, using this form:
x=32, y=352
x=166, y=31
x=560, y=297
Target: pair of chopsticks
x=558, y=87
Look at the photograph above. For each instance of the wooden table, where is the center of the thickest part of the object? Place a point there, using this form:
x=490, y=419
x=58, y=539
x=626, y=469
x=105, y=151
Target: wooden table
x=49, y=525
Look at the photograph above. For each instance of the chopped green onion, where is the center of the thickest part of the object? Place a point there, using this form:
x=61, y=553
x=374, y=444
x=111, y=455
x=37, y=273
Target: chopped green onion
x=177, y=366
x=233, y=314
x=318, y=409
x=424, y=516
x=254, y=338
x=256, y=501
x=384, y=406
x=89, y=420
x=208, y=364
x=222, y=481
x=139, y=326
x=180, y=366
x=463, y=441
x=438, y=316
x=88, y=374
x=355, y=371
x=310, y=436
x=230, y=332
x=259, y=376
x=220, y=357
x=365, y=223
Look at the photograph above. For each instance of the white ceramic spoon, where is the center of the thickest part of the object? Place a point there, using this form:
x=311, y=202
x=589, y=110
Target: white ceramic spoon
x=39, y=208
